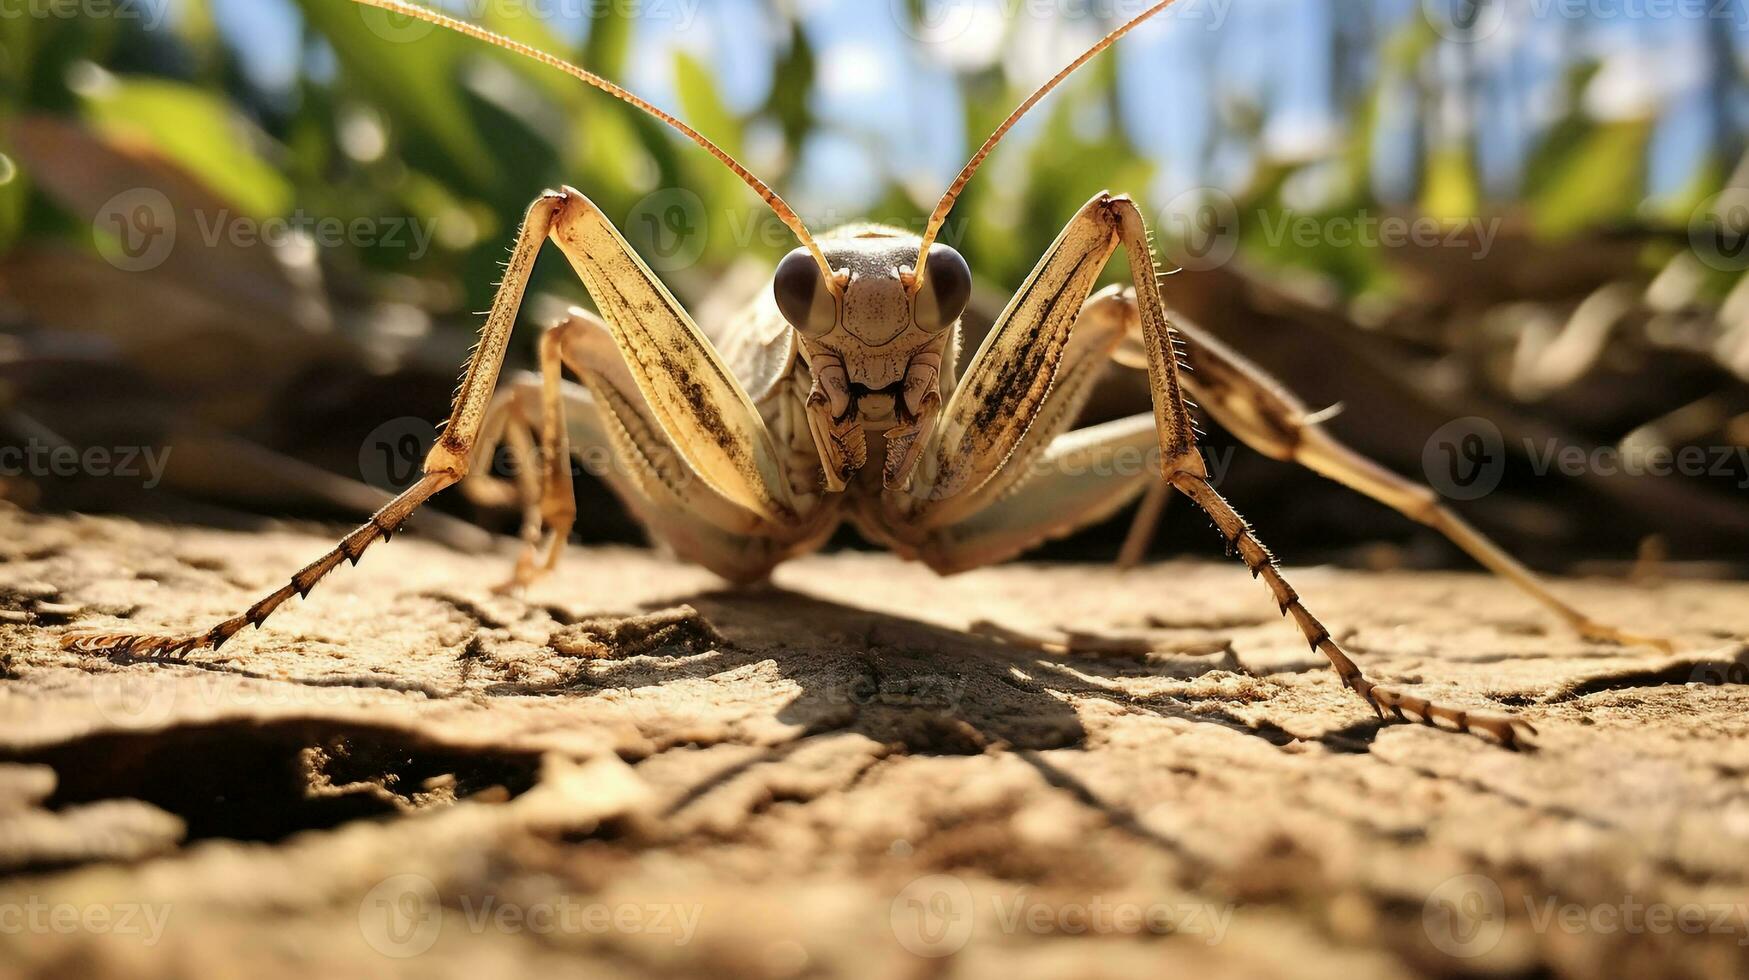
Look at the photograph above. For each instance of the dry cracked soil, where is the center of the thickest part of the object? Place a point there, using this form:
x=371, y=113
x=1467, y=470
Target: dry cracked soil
x=859, y=770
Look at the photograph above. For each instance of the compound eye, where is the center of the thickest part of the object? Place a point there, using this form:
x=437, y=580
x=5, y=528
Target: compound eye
x=946, y=289
x=803, y=296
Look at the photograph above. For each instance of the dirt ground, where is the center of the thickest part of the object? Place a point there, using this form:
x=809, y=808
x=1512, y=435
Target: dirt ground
x=862, y=770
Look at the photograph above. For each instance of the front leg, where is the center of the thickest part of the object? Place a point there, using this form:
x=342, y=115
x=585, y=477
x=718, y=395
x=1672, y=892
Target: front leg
x=1270, y=419
x=1012, y=384
x=1189, y=477
x=703, y=410
x=446, y=464
x=707, y=416
x=651, y=476
x=1013, y=373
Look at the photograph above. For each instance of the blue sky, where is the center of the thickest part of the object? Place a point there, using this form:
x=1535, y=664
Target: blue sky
x=885, y=88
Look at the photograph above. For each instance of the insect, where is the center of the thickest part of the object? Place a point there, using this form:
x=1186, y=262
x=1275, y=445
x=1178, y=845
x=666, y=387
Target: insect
x=840, y=395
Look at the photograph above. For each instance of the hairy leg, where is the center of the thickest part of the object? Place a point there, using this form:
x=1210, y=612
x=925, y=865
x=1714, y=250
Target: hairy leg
x=651, y=476
x=1011, y=378
x=1192, y=480
x=708, y=417
x=541, y=454
x=1269, y=418
x=446, y=464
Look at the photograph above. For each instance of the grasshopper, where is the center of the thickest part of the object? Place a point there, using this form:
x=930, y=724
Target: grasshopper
x=747, y=445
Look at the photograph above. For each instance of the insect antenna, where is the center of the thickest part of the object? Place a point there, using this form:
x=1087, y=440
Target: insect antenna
x=784, y=212
x=939, y=217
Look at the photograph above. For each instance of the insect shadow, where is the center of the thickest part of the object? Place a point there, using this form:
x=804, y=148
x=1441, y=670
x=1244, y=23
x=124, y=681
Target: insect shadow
x=901, y=681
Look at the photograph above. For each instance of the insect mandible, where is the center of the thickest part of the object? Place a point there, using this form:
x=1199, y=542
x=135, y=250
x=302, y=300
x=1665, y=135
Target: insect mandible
x=839, y=396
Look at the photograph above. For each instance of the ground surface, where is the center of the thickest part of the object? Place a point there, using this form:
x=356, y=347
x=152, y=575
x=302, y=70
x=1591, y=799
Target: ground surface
x=850, y=773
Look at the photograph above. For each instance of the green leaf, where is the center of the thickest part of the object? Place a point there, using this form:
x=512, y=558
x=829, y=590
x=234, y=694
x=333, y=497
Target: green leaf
x=195, y=23
x=1586, y=172
x=704, y=110
x=1597, y=176
x=410, y=70
x=14, y=197
x=1709, y=177
x=199, y=131
x=520, y=24
x=702, y=107
x=1451, y=190
x=791, y=85
x=609, y=42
